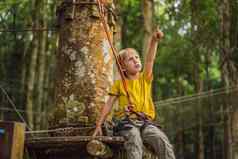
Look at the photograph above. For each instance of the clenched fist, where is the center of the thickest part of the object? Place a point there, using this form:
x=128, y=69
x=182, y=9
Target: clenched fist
x=158, y=34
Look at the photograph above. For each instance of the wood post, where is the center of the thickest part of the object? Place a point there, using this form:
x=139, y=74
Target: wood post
x=12, y=137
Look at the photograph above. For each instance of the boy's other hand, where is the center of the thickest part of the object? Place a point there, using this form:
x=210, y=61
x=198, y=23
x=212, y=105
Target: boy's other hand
x=158, y=34
x=98, y=131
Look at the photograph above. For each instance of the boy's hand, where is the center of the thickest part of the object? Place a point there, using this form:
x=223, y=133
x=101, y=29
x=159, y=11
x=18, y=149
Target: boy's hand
x=98, y=131
x=158, y=34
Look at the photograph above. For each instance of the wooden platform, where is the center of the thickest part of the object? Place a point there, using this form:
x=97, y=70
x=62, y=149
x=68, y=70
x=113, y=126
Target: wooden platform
x=68, y=147
x=48, y=142
x=67, y=144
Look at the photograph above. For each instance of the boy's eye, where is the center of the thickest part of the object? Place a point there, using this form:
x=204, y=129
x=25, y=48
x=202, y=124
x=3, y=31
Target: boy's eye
x=130, y=59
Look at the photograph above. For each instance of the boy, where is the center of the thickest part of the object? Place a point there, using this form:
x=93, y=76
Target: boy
x=135, y=114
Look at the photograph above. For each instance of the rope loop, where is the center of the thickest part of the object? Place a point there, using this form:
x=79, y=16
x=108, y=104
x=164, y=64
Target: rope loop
x=114, y=51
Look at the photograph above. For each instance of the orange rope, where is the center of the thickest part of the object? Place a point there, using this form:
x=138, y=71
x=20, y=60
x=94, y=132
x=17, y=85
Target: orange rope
x=105, y=27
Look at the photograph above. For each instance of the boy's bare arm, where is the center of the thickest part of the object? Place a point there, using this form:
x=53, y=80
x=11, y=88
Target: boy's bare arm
x=150, y=55
x=106, y=109
x=104, y=113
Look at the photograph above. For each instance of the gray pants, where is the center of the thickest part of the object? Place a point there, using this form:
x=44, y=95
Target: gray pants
x=150, y=135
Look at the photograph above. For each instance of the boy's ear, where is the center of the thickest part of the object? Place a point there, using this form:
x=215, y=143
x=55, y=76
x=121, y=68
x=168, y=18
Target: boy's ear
x=123, y=69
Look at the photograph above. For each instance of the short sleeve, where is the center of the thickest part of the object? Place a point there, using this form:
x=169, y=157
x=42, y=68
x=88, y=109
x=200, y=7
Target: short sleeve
x=115, y=89
x=147, y=79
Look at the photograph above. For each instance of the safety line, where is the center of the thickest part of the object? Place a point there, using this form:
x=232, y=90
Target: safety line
x=14, y=107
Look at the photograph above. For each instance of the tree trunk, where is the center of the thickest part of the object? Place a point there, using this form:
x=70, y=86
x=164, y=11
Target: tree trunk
x=200, y=137
x=84, y=66
x=24, y=73
x=234, y=49
x=49, y=73
x=180, y=139
x=118, y=33
x=235, y=134
x=211, y=110
x=234, y=26
x=198, y=83
x=229, y=75
x=148, y=12
x=41, y=65
x=32, y=65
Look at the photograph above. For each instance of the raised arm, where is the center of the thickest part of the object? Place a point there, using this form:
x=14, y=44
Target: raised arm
x=150, y=55
x=103, y=115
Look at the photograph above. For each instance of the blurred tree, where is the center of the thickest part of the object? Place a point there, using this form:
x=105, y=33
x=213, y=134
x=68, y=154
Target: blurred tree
x=229, y=70
x=35, y=23
x=148, y=14
x=38, y=104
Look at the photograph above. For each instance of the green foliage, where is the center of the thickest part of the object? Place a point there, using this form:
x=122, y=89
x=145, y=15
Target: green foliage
x=131, y=16
x=15, y=18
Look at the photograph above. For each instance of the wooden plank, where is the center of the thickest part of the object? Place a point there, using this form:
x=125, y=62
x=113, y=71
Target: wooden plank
x=68, y=147
x=44, y=142
x=12, y=137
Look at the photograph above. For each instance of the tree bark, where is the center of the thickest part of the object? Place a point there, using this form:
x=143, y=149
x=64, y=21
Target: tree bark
x=84, y=66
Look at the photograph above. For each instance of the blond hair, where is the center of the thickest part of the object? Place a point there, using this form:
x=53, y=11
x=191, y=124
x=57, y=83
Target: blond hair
x=124, y=52
x=122, y=56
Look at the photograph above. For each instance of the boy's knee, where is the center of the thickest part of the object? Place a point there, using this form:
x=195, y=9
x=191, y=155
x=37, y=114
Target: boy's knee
x=132, y=136
x=153, y=132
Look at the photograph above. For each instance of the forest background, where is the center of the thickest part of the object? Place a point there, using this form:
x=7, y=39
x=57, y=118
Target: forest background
x=195, y=73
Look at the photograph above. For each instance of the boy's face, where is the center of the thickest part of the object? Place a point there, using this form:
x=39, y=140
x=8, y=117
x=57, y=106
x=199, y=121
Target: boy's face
x=132, y=63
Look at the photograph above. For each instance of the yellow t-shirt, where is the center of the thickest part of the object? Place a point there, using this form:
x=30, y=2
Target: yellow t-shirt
x=140, y=94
